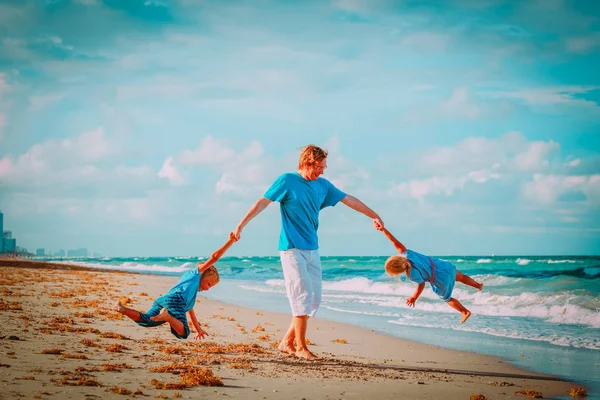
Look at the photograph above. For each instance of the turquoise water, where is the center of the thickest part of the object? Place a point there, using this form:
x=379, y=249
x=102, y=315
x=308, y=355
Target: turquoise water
x=541, y=313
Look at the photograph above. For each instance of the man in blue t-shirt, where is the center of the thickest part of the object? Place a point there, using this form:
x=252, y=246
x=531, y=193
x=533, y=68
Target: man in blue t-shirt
x=302, y=196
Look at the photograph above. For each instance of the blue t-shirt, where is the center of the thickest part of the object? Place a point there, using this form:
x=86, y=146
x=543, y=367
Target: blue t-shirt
x=188, y=287
x=301, y=201
x=444, y=275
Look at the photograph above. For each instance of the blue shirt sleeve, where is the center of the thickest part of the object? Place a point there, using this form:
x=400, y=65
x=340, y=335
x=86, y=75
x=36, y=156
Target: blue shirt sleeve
x=334, y=195
x=278, y=189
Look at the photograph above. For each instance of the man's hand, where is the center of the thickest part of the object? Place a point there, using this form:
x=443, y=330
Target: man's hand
x=236, y=233
x=411, y=301
x=200, y=334
x=233, y=237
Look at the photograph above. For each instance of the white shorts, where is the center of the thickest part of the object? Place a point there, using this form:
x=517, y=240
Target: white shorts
x=302, y=274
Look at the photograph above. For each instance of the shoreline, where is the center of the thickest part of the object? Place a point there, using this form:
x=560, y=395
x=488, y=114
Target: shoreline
x=51, y=306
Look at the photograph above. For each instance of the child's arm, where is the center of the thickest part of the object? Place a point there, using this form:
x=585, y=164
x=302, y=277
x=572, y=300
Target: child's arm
x=217, y=254
x=200, y=333
x=399, y=246
x=413, y=299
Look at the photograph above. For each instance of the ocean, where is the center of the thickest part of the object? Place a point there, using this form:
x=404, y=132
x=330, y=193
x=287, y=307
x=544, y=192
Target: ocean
x=540, y=313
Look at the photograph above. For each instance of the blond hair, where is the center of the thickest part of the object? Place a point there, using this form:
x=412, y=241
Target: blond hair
x=211, y=272
x=311, y=154
x=395, y=265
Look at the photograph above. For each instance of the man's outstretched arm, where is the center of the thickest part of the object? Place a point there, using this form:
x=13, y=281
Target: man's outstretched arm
x=256, y=209
x=361, y=207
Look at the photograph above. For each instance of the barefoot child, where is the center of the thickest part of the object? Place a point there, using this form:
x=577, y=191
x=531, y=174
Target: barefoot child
x=172, y=306
x=422, y=269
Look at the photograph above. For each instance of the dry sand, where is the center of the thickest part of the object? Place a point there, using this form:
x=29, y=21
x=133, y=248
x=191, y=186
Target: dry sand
x=61, y=339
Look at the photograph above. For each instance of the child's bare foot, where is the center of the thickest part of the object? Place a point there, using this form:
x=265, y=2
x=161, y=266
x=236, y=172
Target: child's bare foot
x=465, y=317
x=162, y=316
x=306, y=354
x=480, y=287
x=119, y=307
x=287, y=348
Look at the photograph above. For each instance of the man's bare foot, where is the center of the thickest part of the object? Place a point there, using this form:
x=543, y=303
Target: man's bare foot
x=287, y=348
x=306, y=354
x=119, y=307
x=162, y=316
x=465, y=317
x=480, y=287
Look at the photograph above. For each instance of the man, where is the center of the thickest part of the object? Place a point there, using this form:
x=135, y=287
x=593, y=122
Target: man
x=302, y=195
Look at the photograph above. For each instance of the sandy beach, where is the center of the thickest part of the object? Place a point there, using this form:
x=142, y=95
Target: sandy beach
x=62, y=339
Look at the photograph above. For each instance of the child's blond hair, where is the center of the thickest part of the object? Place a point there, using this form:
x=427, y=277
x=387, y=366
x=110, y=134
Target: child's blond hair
x=395, y=265
x=212, y=273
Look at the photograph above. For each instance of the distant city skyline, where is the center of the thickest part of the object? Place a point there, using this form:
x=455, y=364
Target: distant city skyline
x=148, y=128
x=39, y=251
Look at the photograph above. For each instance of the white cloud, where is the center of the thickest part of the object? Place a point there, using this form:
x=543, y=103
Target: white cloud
x=550, y=96
x=170, y=172
x=418, y=189
x=58, y=159
x=583, y=44
x=470, y=154
x=482, y=176
x=210, y=151
x=343, y=173
x=547, y=189
x=356, y=6
x=447, y=185
x=92, y=145
x=2, y=124
x=4, y=87
x=242, y=172
x=478, y=160
x=242, y=181
x=461, y=103
x=536, y=157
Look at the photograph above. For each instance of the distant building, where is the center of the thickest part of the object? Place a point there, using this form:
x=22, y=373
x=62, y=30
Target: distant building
x=1, y=230
x=40, y=252
x=10, y=245
x=60, y=253
x=7, y=235
x=81, y=252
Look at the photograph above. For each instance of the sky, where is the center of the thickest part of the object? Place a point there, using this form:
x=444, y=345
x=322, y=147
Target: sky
x=148, y=128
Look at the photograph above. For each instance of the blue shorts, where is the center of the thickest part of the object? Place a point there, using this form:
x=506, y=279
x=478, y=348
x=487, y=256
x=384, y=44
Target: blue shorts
x=174, y=303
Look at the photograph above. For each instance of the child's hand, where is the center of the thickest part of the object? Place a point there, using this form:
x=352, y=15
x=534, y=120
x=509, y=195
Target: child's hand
x=200, y=334
x=378, y=224
x=411, y=301
x=233, y=237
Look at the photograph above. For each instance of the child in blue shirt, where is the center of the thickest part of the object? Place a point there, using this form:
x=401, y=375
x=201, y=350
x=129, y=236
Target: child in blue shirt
x=421, y=269
x=173, y=306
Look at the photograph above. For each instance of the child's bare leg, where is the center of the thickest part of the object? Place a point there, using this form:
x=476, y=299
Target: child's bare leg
x=128, y=312
x=467, y=280
x=287, y=343
x=176, y=324
x=460, y=308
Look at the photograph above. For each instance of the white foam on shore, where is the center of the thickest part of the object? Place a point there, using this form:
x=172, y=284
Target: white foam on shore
x=136, y=267
x=555, y=339
x=572, y=308
x=523, y=261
